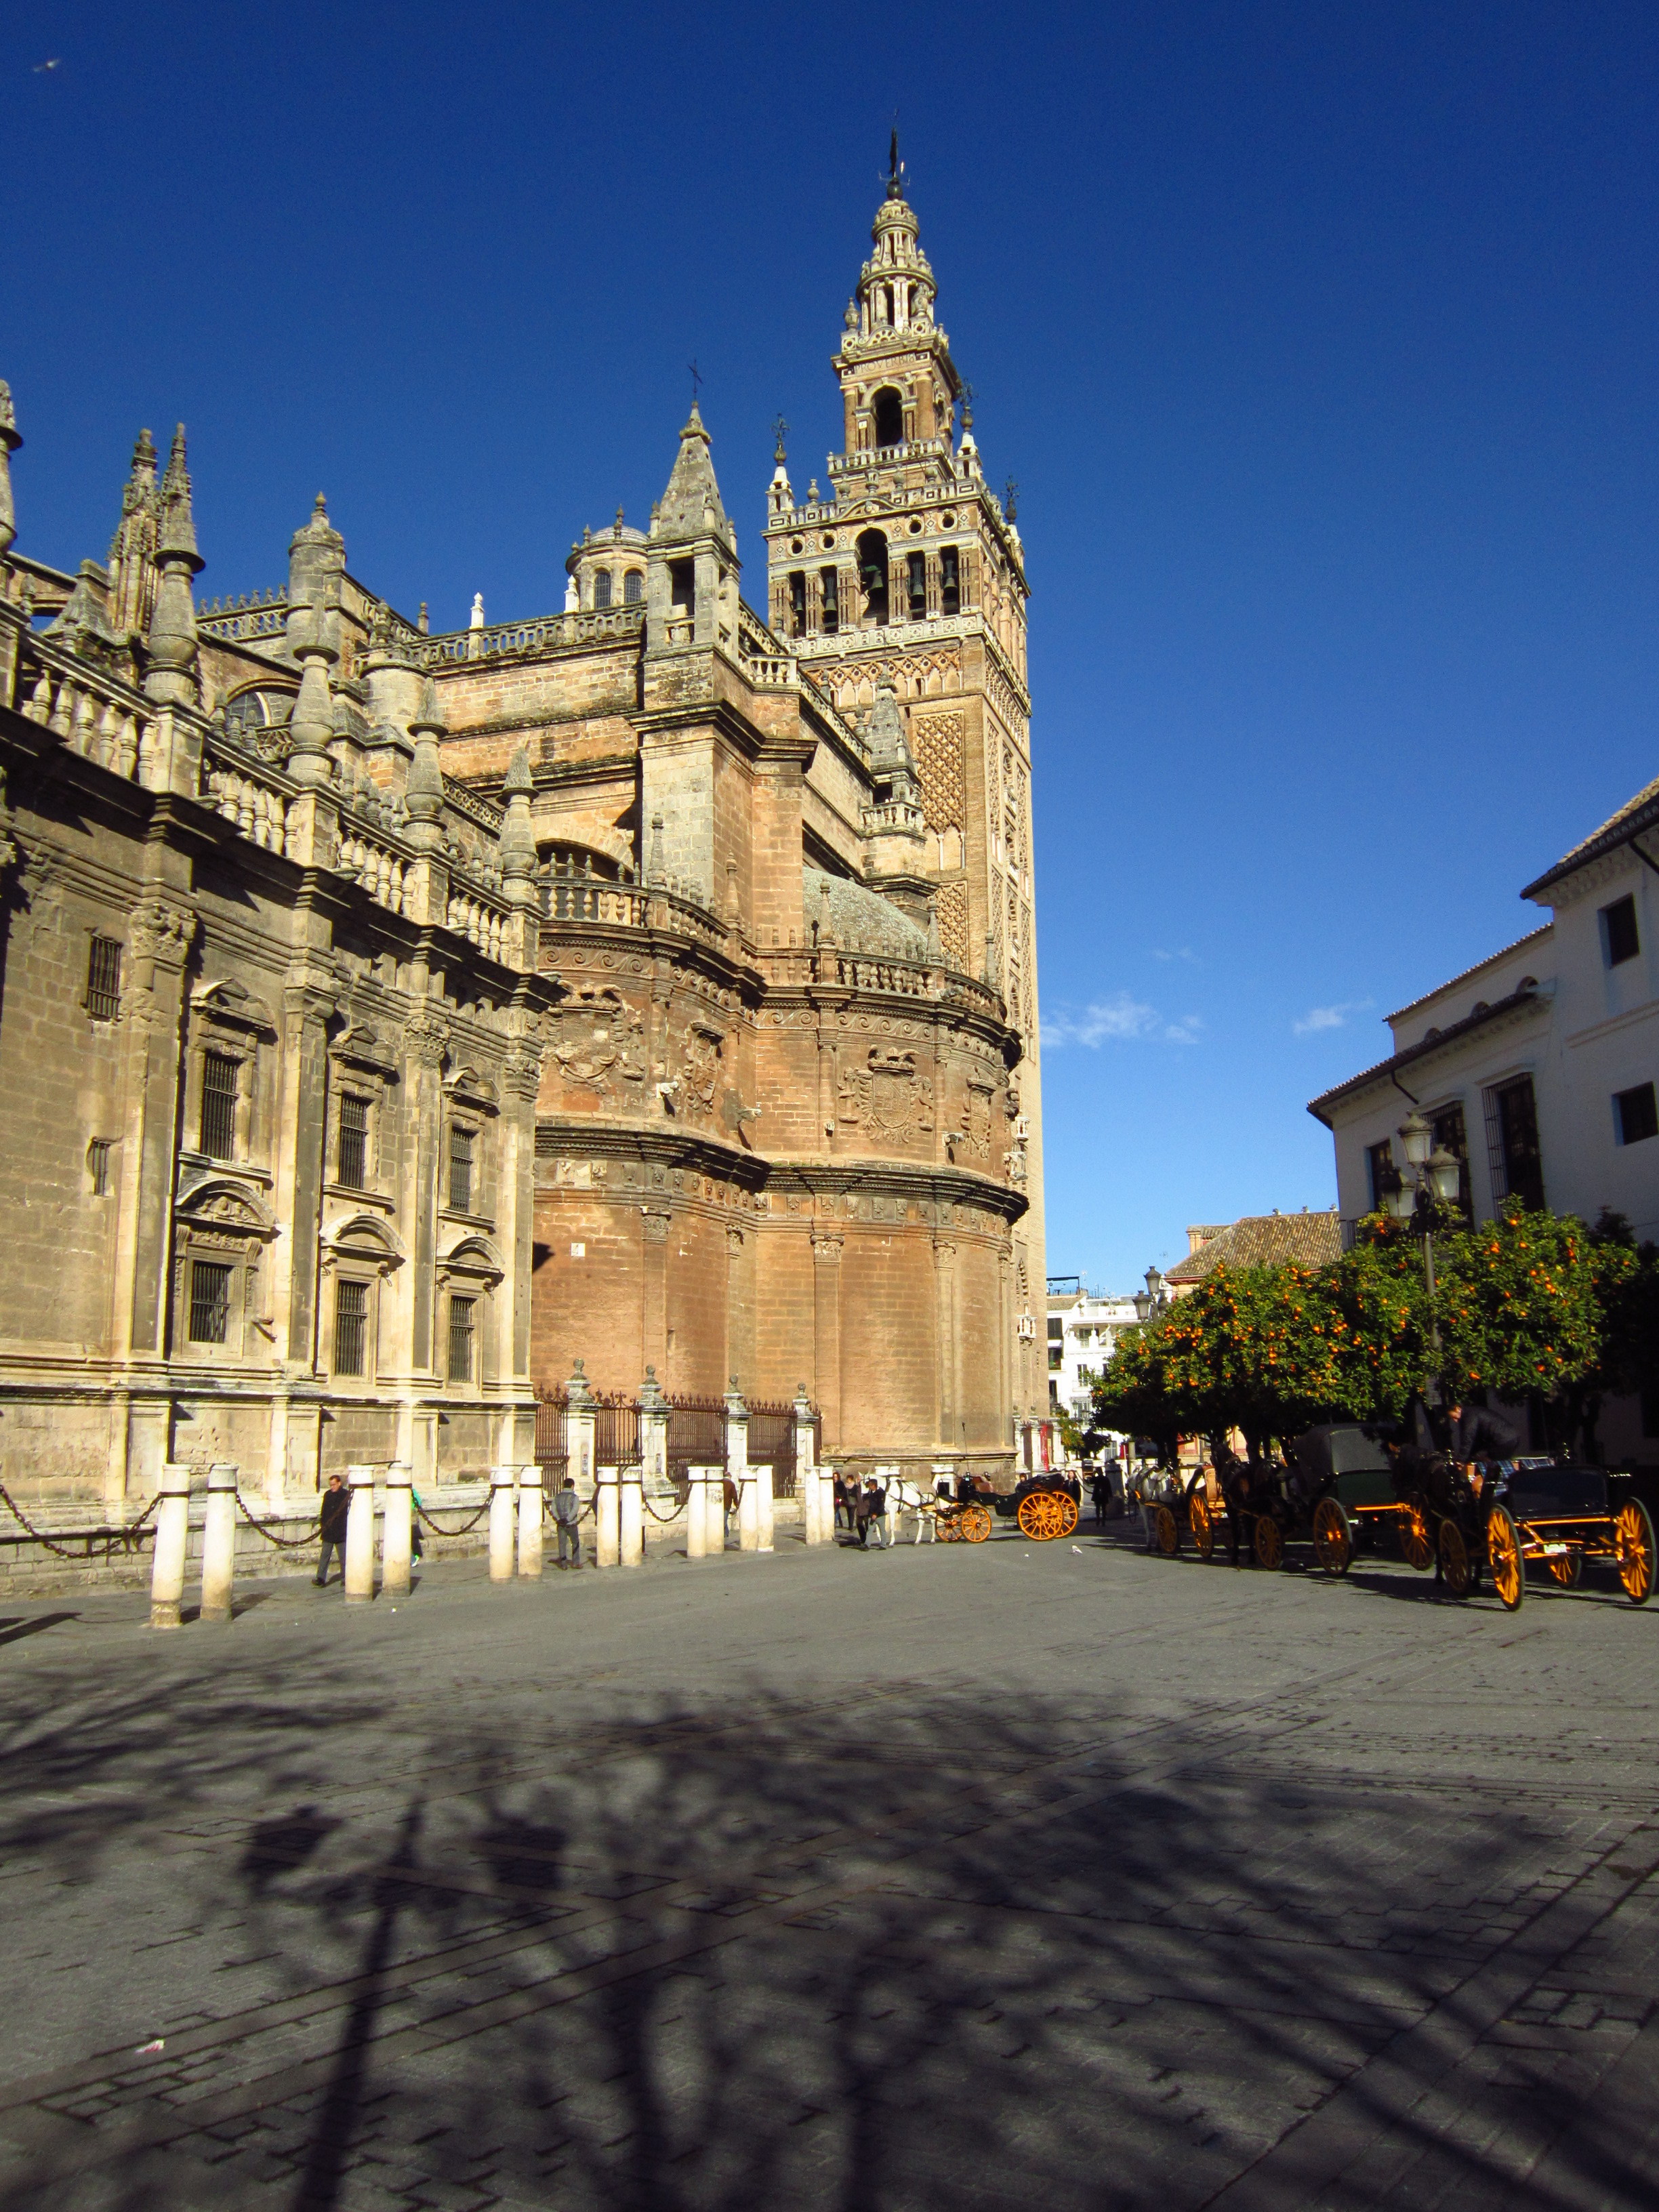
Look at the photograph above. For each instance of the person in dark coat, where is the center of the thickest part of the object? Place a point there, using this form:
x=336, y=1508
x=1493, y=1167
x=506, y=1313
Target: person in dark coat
x=1476, y=1433
x=337, y=1504
x=1100, y=1489
x=872, y=1514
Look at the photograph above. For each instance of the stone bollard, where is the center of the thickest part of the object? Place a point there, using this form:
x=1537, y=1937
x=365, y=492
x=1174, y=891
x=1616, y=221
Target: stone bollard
x=607, y=1526
x=765, y=1507
x=360, y=1536
x=807, y=1471
x=748, y=1514
x=167, y=1570
x=502, y=1479
x=397, y=1530
x=631, y=1518
x=697, y=1513
x=530, y=1522
x=219, y=1542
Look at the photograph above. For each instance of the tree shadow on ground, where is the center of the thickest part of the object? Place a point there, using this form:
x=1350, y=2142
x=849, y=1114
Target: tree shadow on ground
x=871, y=1952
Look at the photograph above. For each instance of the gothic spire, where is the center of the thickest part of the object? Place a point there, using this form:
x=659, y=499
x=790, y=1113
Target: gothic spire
x=690, y=507
x=132, y=571
x=172, y=675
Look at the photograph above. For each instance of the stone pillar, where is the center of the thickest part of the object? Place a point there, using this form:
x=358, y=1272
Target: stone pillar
x=219, y=1542
x=167, y=1570
x=530, y=1523
x=765, y=1507
x=303, y=1073
x=654, y=1432
x=630, y=1529
x=515, y=1208
x=606, y=1518
x=426, y=1038
x=579, y=1427
x=748, y=1517
x=502, y=1479
x=360, y=1536
x=159, y=936
x=807, y=1473
x=396, y=1530
x=653, y=1230
x=697, y=1513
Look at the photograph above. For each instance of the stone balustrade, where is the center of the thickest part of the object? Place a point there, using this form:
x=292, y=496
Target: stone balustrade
x=480, y=920
x=378, y=867
x=247, y=794
x=579, y=626
x=95, y=716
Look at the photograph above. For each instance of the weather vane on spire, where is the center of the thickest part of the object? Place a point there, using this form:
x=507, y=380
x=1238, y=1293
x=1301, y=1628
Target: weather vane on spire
x=895, y=167
x=781, y=431
x=696, y=381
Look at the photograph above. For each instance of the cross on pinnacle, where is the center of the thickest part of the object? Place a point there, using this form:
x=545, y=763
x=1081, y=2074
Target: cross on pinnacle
x=696, y=382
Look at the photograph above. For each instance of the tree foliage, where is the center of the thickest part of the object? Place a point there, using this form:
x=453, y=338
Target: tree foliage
x=1528, y=1303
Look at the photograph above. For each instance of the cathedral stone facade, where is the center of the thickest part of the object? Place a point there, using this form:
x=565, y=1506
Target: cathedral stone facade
x=390, y=1020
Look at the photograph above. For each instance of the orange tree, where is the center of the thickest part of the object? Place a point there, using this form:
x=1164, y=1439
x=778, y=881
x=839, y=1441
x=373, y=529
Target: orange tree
x=1518, y=1305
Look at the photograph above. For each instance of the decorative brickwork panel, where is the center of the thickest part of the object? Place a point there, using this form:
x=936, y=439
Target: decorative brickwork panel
x=939, y=741
x=953, y=926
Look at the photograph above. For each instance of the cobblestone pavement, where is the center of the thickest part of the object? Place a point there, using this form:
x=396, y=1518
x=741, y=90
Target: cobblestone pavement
x=959, y=1876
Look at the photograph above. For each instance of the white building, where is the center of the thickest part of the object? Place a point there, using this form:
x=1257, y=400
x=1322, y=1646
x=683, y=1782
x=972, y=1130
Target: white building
x=1537, y=1068
x=1083, y=1326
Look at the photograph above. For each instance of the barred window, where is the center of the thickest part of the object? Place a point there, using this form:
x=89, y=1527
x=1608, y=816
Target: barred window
x=350, y=1327
x=103, y=979
x=602, y=587
x=209, y=1301
x=218, y=1126
x=98, y=1152
x=461, y=1169
x=354, y=1141
x=632, y=587
x=460, y=1339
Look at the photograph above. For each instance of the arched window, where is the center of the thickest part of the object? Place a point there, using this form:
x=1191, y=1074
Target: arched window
x=873, y=574
x=889, y=417
x=950, y=581
x=798, y=602
x=918, y=582
x=632, y=589
x=602, y=587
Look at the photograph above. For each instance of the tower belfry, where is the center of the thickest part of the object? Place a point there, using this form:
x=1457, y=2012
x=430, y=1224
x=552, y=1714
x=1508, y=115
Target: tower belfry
x=903, y=590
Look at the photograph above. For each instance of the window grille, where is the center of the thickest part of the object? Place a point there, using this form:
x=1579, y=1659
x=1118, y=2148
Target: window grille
x=632, y=589
x=1446, y=1124
x=98, y=1152
x=1383, y=1172
x=354, y=1141
x=218, y=1119
x=209, y=1301
x=602, y=587
x=461, y=1169
x=1512, y=1147
x=350, y=1327
x=103, y=979
x=460, y=1339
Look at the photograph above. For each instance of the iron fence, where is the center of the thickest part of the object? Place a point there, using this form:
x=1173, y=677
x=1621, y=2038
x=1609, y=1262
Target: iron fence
x=551, y=1404
x=696, y=1437
x=615, y=1429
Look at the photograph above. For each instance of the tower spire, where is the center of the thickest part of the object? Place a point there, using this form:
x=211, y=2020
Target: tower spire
x=173, y=644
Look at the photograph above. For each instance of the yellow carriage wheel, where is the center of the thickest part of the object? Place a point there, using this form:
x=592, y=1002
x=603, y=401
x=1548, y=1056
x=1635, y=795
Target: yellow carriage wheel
x=976, y=1525
x=1166, y=1531
x=1509, y=1570
x=1455, y=1570
x=1567, y=1569
x=1633, y=1548
x=1203, y=1526
x=949, y=1526
x=1040, y=1516
x=1416, y=1536
x=1068, y=1518
x=1268, y=1542
x=1333, y=1538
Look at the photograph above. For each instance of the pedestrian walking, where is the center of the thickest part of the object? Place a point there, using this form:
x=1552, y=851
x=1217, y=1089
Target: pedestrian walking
x=730, y=1503
x=416, y=1543
x=1101, y=1490
x=337, y=1504
x=566, y=1514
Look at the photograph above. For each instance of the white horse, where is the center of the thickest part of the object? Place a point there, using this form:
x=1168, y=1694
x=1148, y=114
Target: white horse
x=904, y=1496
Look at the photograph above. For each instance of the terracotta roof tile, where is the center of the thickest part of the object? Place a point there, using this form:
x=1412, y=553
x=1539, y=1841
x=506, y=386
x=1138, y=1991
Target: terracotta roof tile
x=1266, y=1240
x=1634, y=815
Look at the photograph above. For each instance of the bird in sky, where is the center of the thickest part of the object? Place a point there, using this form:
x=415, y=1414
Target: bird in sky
x=40, y=67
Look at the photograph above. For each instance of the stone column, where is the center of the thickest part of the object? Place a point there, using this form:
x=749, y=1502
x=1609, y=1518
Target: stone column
x=697, y=1513
x=515, y=1207
x=748, y=1518
x=826, y=1332
x=807, y=1473
x=606, y=1518
x=579, y=1425
x=219, y=1542
x=765, y=1507
x=159, y=937
x=653, y=1230
x=530, y=1523
x=654, y=1431
x=396, y=1530
x=360, y=1536
x=631, y=1530
x=502, y=1479
x=167, y=1570
x=303, y=1074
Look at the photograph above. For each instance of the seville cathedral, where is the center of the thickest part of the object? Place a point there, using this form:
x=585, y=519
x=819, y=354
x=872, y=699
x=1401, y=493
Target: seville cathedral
x=390, y=1019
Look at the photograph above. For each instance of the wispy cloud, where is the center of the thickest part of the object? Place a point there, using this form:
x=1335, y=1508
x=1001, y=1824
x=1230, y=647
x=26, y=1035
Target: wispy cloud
x=1184, y=952
x=1329, y=1017
x=1120, y=1017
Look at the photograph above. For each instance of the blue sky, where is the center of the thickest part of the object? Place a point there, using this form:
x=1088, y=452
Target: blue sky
x=1321, y=340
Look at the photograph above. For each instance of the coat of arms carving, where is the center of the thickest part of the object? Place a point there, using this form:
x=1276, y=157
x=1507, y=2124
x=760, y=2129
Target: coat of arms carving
x=886, y=1098
x=594, y=1033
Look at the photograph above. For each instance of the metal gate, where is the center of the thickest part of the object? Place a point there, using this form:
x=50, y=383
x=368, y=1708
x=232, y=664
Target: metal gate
x=772, y=1438
x=696, y=1437
x=615, y=1429
x=550, y=1403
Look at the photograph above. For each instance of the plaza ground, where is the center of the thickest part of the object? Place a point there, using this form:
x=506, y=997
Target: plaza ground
x=1015, y=1875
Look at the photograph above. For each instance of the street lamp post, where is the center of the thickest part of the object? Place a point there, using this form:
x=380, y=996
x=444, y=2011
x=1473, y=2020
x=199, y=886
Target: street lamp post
x=1153, y=1300
x=1428, y=1186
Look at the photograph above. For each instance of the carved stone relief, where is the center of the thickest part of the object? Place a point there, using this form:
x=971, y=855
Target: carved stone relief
x=595, y=1034
x=886, y=1098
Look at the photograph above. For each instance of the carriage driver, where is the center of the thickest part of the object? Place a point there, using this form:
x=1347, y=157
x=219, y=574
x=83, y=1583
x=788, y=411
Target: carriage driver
x=1476, y=1434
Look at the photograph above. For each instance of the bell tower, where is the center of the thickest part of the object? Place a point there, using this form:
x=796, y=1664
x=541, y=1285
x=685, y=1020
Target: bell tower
x=904, y=583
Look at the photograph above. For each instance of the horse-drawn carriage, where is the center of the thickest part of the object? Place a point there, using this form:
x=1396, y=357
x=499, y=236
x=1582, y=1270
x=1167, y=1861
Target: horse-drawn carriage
x=1533, y=1511
x=1043, y=1505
